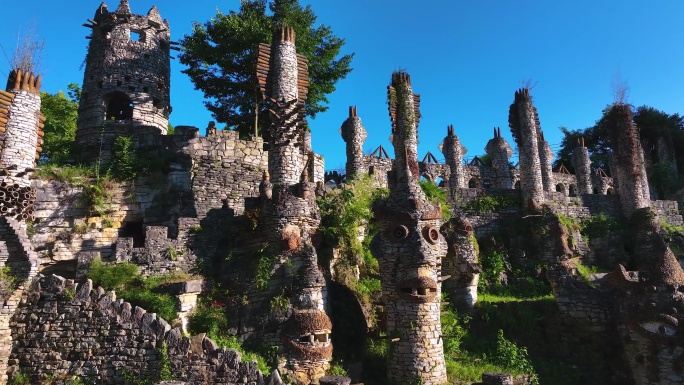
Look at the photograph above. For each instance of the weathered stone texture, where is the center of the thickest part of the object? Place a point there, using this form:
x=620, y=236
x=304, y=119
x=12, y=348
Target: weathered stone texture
x=500, y=152
x=69, y=329
x=354, y=135
x=127, y=77
x=453, y=152
x=582, y=165
x=524, y=124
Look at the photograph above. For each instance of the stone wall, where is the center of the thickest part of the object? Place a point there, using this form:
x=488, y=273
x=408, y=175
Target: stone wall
x=64, y=329
x=18, y=257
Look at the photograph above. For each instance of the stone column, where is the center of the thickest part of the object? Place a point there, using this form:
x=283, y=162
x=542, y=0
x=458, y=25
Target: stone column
x=20, y=124
x=500, y=152
x=354, y=135
x=453, y=152
x=285, y=159
x=524, y=124
x=545, y=158
x=460, y=264
x=410, y=248
x=628, y=159
x=582, y=165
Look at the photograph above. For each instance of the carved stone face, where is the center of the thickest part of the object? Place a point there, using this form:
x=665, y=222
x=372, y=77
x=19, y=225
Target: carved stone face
x=306, y=335
x=416, y=247
x=651, y=317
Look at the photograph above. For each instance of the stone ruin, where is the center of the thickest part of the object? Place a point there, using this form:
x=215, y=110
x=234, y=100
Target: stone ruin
x=51, y=324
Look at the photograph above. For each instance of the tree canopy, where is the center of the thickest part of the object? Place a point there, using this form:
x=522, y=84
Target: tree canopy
x=61, y=113
x=221, y=56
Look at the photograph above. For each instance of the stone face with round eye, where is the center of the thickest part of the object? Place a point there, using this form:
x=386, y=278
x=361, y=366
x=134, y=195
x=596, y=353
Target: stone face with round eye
x=400, y=232
x=659, y=328
x=431, y=234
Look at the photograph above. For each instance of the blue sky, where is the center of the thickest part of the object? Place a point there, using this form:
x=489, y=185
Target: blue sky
x=466, y=59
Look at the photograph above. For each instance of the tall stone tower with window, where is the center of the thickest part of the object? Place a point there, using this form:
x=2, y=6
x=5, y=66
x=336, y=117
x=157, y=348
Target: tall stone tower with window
x=127, y=79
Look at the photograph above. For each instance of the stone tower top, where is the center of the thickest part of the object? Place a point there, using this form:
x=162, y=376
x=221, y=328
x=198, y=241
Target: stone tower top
x=127, y=76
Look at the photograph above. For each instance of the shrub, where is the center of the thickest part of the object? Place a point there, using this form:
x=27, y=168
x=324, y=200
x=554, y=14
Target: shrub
x=437, y=195
x=112, y=276
x=513, y=357
x=209, y=319
x=125, y=279
x=599, y=225
x=124, y=164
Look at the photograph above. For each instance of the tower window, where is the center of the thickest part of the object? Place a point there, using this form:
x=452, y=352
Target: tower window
x=157, y=102
x=119, y=107
x=137, y=36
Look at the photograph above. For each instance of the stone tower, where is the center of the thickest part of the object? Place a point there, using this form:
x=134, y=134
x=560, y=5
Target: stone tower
x=290, y=212
x=126, y=80
x=524, y=123
x=582, y=165
x=500, y=152
x=410, y=248
x=453, y=152
x=627, y=159
x=461, y=264
x=354, y=135
x=21, y=126
x=545, y=159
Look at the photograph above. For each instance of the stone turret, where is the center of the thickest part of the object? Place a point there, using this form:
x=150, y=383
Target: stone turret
x=627, y=159
x=453, y=152
x=410, y=249
x=290, y=212
x=354, y=135
x=545, y=159
x=500, y=152
x=126, y=80
x=21, y=132
x=582, y=165
x=461, y=264
x=524, y=123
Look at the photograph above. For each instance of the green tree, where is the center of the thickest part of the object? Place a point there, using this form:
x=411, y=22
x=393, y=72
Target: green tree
x=221, y=56
x=60, y=124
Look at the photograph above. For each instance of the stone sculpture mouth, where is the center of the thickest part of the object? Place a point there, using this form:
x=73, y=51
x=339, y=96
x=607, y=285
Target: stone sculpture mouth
x=421, y=289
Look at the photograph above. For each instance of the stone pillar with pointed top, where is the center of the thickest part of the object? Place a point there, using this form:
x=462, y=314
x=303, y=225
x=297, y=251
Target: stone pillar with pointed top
x=354, y=135
x=126, y=82
x=582, y=165
x=453, y=152
x=410, y=248
x=21, y=132
x=524, y=123
x=290, y=214
x=500, y=152
x=545, y=159
x=627, y=159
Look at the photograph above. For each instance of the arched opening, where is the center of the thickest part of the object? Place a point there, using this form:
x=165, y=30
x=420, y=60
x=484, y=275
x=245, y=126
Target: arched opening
x=474, y=182
x=560, y=188
x=517, y=185
x=595, y=191
x=610, y=191
x=425, y=178
x=440, y=182
x=572, y=190
x=119, y=107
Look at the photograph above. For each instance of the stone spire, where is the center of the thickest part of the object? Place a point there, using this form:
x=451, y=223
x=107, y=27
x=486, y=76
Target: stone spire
x=354, y=135
x=582, y=165
x=453, y=152
x=627, y=159
x=124, y=8
x=545, y=159
x=410, y=249
x=524, y=123
x=500, y=152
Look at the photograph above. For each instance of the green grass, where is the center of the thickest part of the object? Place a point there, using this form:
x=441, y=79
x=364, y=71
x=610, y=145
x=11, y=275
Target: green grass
x=493, y=298
x=469, y=369
x=65, y=173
